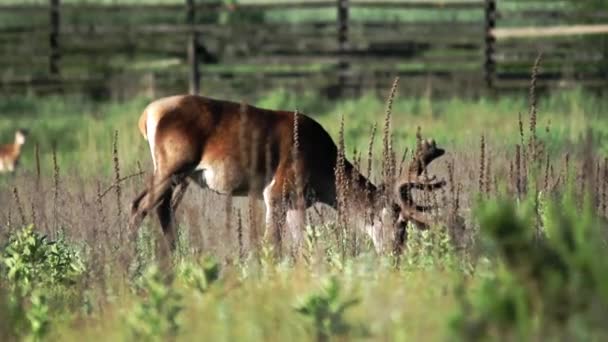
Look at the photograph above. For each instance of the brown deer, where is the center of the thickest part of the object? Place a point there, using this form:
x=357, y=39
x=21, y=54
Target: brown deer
x=10, y=153
x=236, y=149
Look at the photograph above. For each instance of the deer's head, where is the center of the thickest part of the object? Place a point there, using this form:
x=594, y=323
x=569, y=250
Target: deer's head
x=20, y=136
x=403, y=209
x=417, y=178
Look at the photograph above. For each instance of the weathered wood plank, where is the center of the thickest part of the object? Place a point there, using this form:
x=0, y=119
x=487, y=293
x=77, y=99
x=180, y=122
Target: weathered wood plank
x=554, y=31
x=557, y=15
x=423, y=4
x=256, y=5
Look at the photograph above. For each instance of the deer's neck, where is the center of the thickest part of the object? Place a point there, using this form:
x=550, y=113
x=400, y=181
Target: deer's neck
x=15, y=150
x=358, y=190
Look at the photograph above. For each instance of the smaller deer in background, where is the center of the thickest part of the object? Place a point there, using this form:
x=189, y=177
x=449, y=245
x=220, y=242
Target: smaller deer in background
x=10, y=153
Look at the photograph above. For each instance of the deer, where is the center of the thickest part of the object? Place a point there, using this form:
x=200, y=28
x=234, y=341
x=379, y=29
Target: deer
x=10, y=153
x=238, y=149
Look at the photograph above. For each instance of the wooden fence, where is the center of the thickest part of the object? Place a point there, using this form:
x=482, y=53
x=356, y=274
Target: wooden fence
x=336, y=47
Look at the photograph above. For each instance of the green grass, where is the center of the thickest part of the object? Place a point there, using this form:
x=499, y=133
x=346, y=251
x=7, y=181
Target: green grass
x=258, y=297
x=82, y=130
x=394, y=305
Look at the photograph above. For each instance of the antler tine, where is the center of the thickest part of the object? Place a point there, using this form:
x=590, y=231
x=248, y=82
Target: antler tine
x=426, y=152
x=424, y=155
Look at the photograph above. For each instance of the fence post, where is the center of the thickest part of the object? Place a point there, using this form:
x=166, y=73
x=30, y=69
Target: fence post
x=490, y=24
x=343, y=64
x=54, y=37
x=194, y=75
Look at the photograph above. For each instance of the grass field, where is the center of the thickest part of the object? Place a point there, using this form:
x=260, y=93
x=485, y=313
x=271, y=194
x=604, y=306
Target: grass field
x=526, y=265
x=82, y=130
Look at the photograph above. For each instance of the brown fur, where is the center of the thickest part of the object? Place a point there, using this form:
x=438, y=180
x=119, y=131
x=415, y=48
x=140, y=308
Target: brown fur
x=196, y=131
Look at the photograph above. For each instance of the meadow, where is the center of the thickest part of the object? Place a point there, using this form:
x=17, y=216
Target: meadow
x=516, y=252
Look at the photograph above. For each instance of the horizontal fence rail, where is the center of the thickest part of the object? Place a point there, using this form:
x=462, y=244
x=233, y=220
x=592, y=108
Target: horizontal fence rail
x=337, y=47
x=556, y=31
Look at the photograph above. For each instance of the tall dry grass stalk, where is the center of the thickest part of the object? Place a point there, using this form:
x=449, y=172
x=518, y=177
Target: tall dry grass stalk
x=55, y=193
x=118, y=188
x=247, y=143
x=604, y=183
x=101, y=217
x=451, y=183
x=510, y=185
x=19, y=206
x=566, y=170
x=488, y=178
x=9, y=219
x=518, y=180
x=228, y=218
x=533, y=108
x=370, y=151
x=354, y=190
x=597, y=183
x=370, y=160
x=588, y=181
x=546, y=173
x=239, y=234
x=402, y=162
x=37, y=158
x=34, y=219
x=300, y=200
x=297, y=171
x=522, y=152
x=520, y=124
x=482, y=160
x=340, y=176
x=99, y=244
x=252, y=217
x=387, y=146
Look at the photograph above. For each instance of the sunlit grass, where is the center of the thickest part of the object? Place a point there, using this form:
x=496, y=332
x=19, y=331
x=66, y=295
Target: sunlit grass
x=82, y=130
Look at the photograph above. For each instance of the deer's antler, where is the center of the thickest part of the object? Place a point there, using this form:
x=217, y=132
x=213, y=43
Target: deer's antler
x=416, y=178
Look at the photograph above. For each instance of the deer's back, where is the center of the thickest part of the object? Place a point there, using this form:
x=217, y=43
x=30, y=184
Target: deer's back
x=211, y=131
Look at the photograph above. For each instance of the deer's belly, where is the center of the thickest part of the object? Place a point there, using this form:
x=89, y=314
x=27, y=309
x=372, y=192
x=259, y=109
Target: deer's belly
x=222, y=177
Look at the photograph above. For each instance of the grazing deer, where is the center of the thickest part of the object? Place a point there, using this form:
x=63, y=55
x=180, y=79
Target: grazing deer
x=10, y=153
x=236, y=149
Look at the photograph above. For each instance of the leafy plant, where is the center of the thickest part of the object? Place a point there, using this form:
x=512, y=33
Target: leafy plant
x=156, y=316
x=199, y=276
x=38, y=315
x=428, y=248
x=31, y=260
x=37, y=271
x=319, y=245
x=544, y=286
x=326, y=308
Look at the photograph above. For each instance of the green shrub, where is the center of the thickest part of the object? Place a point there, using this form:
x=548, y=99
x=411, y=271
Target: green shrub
x=30, y=260
x=326, y=308
x=427, y=249
x=199, y=276
x=38, y=273
x=156, y=316
x=552, y=286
